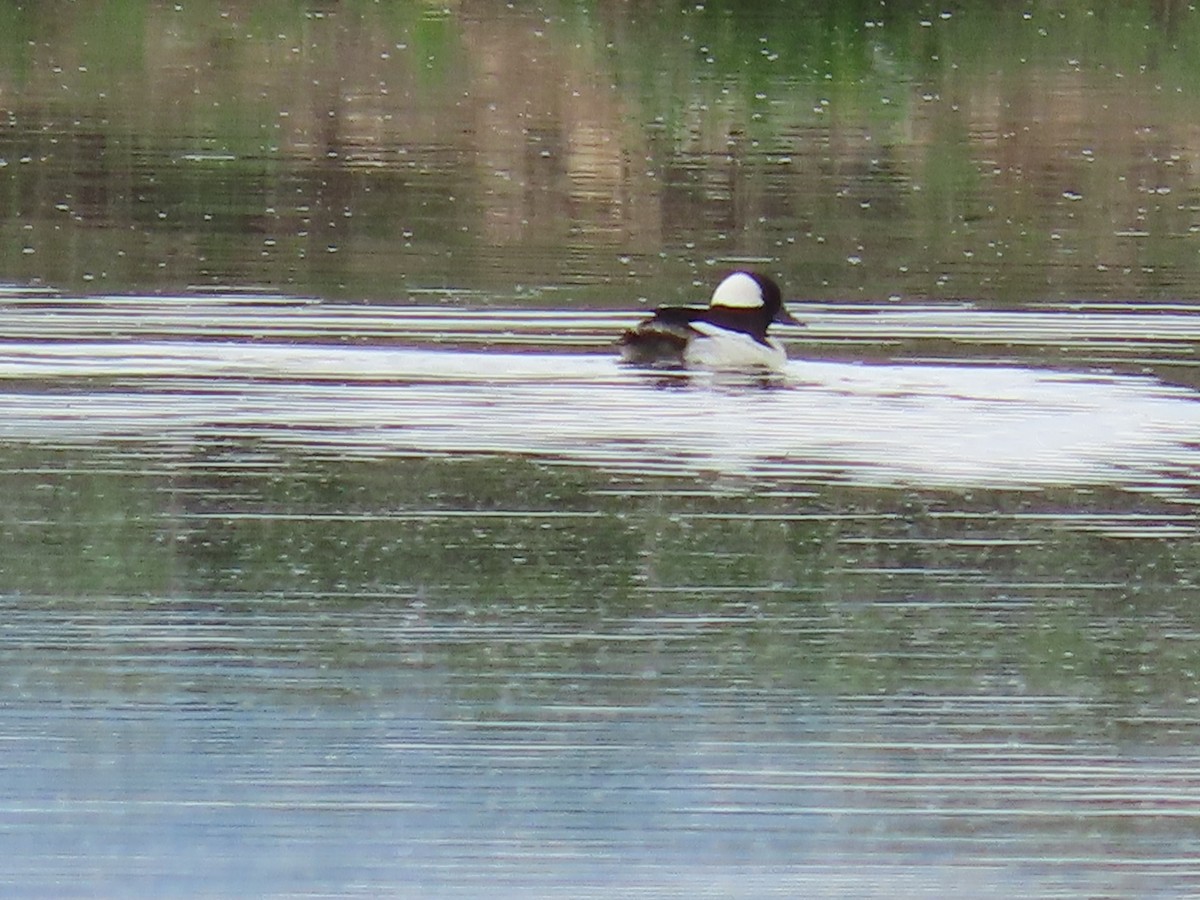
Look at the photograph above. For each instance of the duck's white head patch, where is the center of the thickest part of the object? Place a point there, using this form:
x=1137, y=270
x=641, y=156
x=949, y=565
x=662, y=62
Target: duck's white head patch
x=740, y=291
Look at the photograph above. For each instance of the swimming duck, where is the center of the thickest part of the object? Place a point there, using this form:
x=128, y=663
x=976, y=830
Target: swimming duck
x=730, y=333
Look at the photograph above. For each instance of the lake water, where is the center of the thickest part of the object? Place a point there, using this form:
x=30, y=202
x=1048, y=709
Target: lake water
x=341, y=558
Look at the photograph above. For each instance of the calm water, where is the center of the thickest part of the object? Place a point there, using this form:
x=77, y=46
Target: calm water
x=340, y=558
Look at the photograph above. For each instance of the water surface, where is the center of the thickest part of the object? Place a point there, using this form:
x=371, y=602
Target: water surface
x=308, y=616
x=341, y=558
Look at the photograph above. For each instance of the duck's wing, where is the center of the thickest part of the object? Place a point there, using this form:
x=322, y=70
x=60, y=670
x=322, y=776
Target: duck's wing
x=661, y=339
x=677, y=316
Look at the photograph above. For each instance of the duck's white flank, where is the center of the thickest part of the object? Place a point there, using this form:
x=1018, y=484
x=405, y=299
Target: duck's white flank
x=719, y=348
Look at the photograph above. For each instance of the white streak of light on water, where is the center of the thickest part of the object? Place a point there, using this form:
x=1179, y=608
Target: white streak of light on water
x=931, y=425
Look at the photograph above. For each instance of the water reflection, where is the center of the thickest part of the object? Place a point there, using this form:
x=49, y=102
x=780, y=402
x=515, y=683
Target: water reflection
x=371, y=684
x=1009, y=155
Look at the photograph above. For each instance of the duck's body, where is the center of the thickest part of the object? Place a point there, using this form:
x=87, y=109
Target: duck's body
x=730, y=333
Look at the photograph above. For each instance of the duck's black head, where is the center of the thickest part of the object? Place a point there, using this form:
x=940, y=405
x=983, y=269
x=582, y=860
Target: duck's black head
x=750, y=291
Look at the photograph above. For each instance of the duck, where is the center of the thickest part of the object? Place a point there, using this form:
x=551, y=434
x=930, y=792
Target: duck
x=729, y=334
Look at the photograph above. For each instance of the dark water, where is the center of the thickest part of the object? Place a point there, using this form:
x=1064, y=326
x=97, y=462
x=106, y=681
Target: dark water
x=340, y=558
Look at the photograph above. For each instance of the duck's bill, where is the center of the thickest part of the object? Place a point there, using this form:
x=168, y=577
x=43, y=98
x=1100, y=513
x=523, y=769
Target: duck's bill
x=784, y=317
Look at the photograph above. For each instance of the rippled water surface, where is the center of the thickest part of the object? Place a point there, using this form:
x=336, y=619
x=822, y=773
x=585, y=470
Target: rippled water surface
x=304, y=616
x=340, y=557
